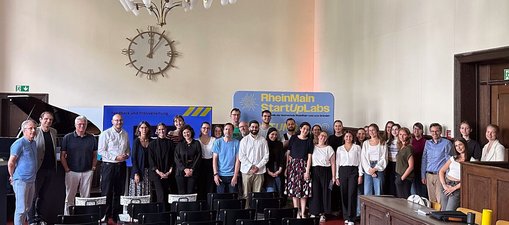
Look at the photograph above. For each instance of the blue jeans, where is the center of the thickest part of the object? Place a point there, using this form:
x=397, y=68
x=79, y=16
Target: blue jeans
x=273, y=185
x=24, y=193
x=373, y=183
x=225, y=185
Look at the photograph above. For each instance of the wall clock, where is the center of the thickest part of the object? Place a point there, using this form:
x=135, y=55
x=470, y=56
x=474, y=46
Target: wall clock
x=151, y=53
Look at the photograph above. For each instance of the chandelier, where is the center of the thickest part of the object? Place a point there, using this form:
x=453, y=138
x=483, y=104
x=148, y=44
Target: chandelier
x=164, y=7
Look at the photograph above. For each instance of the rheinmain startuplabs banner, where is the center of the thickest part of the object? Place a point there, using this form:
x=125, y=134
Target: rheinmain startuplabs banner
x=311, y=107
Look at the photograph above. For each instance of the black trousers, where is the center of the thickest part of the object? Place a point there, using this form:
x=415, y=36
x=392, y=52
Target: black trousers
x=390, y=177
x=186, y=185
x=206, y=182
x=113, y=177
x=321, y=194
x=42, y=181
x=348, y=177
x=402, y=187
x=162, y=187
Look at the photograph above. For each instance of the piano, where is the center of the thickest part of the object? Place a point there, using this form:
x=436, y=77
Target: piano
x=53, y=201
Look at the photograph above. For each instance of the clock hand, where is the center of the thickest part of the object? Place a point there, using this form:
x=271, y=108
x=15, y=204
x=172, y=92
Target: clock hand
x=151, y=43
x=154, y=47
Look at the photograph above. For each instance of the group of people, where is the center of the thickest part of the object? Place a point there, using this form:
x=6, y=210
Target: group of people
x=302, y=163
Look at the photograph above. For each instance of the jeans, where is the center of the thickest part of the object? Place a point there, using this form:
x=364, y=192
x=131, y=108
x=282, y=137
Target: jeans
x=24, y=193
x=452, y=201
x=225, y=185
x=374, y=183
x=273, y=185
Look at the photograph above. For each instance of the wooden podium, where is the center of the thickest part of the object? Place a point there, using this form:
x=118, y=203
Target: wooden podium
x=485, y=185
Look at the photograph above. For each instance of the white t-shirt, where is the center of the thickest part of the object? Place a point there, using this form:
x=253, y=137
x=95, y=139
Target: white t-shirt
x=206, y=150
x=322, y=156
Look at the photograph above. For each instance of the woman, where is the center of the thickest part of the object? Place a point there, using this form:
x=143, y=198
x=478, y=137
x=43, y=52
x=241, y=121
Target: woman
x=373, y=161
x=187, y=160
x=360, y=136
x=316, y=130
x=275, y=165
x=493, y=150
x=449, y=176
x=335, y=140
x=404, y=164
x=218, y=131
x=161, y=160
x=140, y=184
x=206, y=184
x=348, y=160
x=388, y=130
x=298, y=185
x=474, y=148
x=176, y=135
x=392, y=151
x=324, y=173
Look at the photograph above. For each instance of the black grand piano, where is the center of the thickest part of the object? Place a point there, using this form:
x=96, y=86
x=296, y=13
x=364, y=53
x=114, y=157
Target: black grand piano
x=51, y=203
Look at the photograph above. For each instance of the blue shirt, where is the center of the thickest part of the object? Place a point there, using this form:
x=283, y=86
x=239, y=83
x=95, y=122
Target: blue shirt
x=226, y=155
x=26, y=165
x=435, y=155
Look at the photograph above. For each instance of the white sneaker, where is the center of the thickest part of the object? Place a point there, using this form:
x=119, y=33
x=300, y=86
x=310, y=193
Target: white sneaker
x=322, y=219
x=346, y=222
x=351, y=223
x=312, y=216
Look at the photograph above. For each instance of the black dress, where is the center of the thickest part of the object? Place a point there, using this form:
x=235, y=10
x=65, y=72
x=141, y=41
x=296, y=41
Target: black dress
x=161, y=152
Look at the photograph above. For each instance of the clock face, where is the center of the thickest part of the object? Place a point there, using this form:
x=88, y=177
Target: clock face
x=150, y=53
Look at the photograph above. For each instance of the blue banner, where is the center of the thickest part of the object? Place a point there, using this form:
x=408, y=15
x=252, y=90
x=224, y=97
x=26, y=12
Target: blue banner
x=311, y=107
x=133, y=115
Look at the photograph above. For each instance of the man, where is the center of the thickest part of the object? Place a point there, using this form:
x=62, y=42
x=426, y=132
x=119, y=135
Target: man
x=22, y=168
x=290, y=131
x=264, y=128
x=253, y=155
x=418, y=142
x=436, y=153
x=244, y=130
x=79, y=158
x=225, y=153
x=235, y=117
x=46, y=141
x=114, y=149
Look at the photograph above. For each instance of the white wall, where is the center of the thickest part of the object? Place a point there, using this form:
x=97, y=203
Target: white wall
x=393, y=59
x=72, y=50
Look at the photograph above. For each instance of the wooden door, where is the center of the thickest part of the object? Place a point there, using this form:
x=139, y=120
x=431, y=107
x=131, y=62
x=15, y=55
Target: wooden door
x=500, y=111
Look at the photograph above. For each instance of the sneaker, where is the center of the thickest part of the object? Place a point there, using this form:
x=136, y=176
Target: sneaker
x=351, y=223
x=298, y=215
x=322, y=219
x=312, y=216
x=346, y=222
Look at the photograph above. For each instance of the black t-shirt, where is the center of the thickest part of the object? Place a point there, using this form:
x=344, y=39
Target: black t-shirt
x=49, y=153
x=80, y=151
x=299, y=149
x=335, y=141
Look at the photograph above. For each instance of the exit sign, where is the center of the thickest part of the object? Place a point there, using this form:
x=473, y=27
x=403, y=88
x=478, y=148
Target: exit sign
x=506, y=74
x=22, y=88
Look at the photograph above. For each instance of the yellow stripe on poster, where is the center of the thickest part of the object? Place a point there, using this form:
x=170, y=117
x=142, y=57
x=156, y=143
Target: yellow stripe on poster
x=188, y=111
x=206, y=111
x=198, y=110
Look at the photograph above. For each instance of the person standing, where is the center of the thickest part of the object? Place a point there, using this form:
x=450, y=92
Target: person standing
x=162, y=161
x=139, y=183
x=349, y=176
x=392, y=151
x=373, y=161
x=418, y=142
x=114, y=149
x=290, y=131
x=79, y=158
x=22, y=167
x=46, y=141
x=493, y=150
x=404, y=164
x=275, y=165
x=264, y=127
x=450, y=175
x=235, y=120
x=187, y=161
x=474, y=148
x=225, y=154
x=298, y=178
x=206, y=185
x=323, y=173
x=436, y=153
x=253, y=155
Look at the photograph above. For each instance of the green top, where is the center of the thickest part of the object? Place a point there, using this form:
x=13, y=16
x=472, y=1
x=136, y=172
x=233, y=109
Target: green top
x=236, y=133
x=402, y=161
